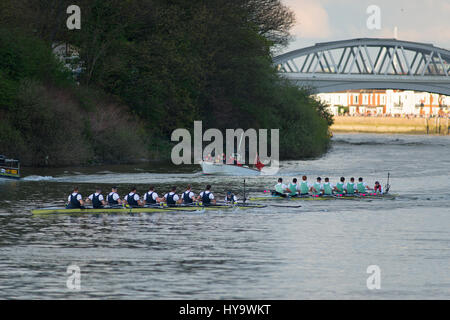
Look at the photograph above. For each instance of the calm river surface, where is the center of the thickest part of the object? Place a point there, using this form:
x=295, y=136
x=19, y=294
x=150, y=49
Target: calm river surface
x=318, y=251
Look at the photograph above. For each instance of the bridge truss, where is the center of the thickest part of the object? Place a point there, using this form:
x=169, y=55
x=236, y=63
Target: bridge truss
x=368, y=63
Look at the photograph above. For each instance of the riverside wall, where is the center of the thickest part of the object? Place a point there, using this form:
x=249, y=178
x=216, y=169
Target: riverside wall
x=391, y=125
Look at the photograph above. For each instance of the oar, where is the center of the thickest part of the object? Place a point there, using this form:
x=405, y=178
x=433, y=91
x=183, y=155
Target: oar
x=281, y=206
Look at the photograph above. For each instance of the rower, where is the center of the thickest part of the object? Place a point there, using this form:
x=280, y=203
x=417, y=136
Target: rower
x=293, y=187
x=340, y=186
x=75, y=200
x=133, y=199
x=151, y=196
x=114, y=198
x=328, y=187
x=378, y=189
x=171, y=198
x=281, y=188
x=230, y=198
x=305, y=187
x=188, y=195
x=207, y=196
x=97, y=199
x=362, y=187
x=317, y=187
x=351, y=187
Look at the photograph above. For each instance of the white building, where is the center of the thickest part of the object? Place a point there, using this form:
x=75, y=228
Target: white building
x=386, y=102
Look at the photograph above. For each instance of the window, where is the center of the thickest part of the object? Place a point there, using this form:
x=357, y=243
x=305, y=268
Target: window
x=365, y=99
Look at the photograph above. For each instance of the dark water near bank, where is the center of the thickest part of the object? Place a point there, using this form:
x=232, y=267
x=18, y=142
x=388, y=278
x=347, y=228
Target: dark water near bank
x=319, y=251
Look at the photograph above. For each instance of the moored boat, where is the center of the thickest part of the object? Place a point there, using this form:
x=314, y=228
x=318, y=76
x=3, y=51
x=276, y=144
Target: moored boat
x=9, y=168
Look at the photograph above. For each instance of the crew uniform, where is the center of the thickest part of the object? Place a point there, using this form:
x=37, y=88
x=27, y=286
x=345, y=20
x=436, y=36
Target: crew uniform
x=206, y=196
x=96, y=199
x=187, y=196
x=351, y=187
x=361, y=187
x=132, y=199
x=341, y=186
x=150, y=197
x=113, y=198
x=280, y=187
x=231, y=198
x=294, y=188
x=318, y=186
x=328, y=188
x=74, y=201
x=171, y=198
x=304, y=187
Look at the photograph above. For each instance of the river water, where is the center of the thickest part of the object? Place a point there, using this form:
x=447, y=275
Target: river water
x=320, y=250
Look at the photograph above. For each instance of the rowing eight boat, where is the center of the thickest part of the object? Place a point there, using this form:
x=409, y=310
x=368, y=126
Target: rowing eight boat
x=153, y=209
x=326, y=197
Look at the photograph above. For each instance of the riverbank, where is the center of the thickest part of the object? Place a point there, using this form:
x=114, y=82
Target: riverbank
x=391, y=125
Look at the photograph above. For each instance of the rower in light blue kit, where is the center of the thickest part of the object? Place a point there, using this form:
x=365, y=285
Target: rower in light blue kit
x=293, y=187
x=341, y=187
x=305, y=187
x=328, y=187
x=281, y=188
x=351, y=186
x=362, y=187
x=317, y=187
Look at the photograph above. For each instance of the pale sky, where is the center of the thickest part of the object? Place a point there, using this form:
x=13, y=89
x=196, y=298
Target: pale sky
x=426, y=21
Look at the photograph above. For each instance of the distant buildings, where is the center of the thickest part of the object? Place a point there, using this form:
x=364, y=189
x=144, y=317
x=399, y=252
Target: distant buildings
x=386, y=103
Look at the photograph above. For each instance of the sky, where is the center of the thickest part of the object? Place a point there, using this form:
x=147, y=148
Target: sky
x=426, y=21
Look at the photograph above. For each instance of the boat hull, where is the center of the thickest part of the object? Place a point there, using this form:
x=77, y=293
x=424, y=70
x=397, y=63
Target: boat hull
x=9, y=176
x=46, y=211
x=211, y=168
x=322, y=198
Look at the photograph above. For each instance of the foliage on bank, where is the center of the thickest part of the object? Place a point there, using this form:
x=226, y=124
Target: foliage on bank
x=169, y=63
x=45, y=119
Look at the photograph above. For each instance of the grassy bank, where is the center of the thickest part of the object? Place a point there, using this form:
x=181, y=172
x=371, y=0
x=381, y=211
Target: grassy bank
x=391, y=125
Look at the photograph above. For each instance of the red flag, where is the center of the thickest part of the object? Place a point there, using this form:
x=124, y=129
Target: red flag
x=259, y=165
